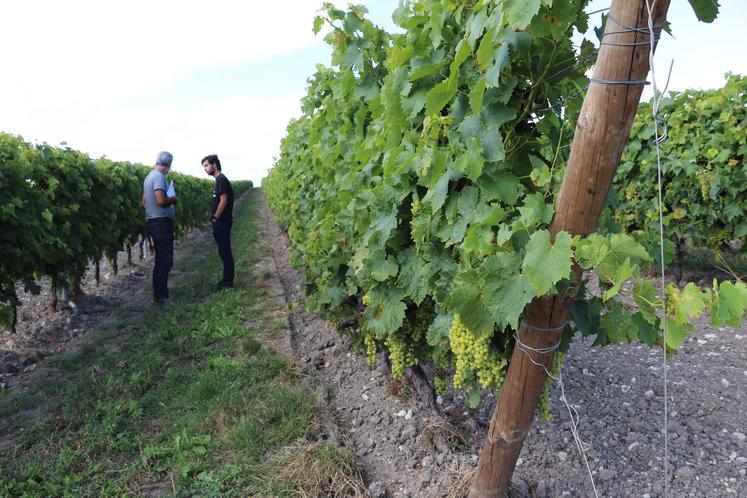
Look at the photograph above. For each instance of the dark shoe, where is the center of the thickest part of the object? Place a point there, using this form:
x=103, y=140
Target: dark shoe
x=166, y=301
x=224, y=285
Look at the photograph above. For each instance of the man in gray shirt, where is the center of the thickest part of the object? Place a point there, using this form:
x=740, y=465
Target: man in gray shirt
x=159, y=216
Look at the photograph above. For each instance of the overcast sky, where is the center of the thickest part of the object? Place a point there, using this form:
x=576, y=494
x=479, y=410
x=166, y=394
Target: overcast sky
x=129, y=79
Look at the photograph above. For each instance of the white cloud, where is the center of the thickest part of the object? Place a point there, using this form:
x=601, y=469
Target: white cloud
x=78, y=51
x=69, y=64
x=244, y=131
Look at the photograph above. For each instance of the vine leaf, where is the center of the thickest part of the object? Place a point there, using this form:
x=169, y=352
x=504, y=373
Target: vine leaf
x=466, y=300
x=647, y=300
x=506, y=290
x=731, y=303
x=545, y=263
x=438, y=332
x=677, y=333
x=706, y=10
x=386, y=312
x=623, y=272
x=520, y=12
x=383, y=267
x=438, y=96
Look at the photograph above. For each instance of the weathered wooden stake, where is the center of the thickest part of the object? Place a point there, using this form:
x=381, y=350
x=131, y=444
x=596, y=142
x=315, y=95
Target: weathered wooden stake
x=602, y=131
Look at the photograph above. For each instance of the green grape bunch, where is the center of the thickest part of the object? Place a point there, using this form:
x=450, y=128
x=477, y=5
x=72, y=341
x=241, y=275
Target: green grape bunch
x=473, y=357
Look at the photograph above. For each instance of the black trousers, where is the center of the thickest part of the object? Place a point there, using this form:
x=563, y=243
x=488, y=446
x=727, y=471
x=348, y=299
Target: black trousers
x=222, y=236
x=161, y=231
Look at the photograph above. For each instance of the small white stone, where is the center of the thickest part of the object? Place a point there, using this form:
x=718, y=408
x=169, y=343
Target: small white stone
x=702, y=341
x=739, y=436
x=439, y=400
x=365, y=397
x=519, y=461
x=732, y=456
x=738, y=336
x=710, y=336
x=408, y=415
x=649, y=393
x=562, y=456
x=633, y=445
x=625, y=388
x=725, y=383
x=401, y=413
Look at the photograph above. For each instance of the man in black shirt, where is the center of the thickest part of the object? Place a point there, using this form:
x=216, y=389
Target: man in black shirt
x=221, y=215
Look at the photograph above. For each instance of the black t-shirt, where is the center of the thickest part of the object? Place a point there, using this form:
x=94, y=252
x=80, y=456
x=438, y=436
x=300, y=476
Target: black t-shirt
x=223, y=186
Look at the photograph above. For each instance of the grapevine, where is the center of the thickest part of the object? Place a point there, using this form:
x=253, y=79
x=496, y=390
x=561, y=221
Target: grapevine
x=53, y=199
x=422, y=173
x=704, y=168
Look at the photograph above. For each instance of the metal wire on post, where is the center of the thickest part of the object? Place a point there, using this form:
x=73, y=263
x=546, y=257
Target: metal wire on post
x=657, y=141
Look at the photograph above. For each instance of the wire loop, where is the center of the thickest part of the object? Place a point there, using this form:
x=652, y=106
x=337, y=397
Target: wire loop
x=559, y=328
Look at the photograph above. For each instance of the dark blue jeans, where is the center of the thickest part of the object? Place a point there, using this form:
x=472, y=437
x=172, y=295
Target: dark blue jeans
x=161, y=231
x=222, y=236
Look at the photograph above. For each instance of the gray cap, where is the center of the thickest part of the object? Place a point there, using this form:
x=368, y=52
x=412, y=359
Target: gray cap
x=164, y=158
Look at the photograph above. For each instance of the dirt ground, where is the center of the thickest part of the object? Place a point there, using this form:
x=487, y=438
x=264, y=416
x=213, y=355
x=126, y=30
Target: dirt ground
x=618, y=392
x=43, y=330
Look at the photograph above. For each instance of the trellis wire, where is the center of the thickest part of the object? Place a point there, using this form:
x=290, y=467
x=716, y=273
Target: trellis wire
x=655, y=112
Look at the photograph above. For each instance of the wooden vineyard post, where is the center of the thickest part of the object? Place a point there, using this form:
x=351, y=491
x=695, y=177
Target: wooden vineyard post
x=602, y=131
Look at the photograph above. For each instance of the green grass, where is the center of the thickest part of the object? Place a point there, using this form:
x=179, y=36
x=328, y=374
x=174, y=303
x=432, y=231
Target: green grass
x=188, y=403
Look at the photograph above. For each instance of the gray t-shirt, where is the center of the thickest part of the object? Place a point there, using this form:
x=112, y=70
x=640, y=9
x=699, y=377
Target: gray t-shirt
x=156, y=181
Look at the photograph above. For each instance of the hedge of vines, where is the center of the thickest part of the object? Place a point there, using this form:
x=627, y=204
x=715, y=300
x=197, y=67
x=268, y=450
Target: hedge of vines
x=60, y=210
x=703, y=161
x=418, y=186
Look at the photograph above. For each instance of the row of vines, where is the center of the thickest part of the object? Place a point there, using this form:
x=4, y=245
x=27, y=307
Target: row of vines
x=60, y=210
x=418, y=186
x=705, y=172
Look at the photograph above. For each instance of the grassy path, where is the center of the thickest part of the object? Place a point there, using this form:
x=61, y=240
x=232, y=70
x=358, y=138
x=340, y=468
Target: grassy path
x=177, y=401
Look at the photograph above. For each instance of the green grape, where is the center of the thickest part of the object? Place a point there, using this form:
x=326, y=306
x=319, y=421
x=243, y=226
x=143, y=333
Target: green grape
x=415, y=207
x=544, y=406
x=368, y=339
x=442, y=385
x=473, y=357
x=397, y=355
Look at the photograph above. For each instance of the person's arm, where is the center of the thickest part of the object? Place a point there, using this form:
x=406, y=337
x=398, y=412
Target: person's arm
x=222, y=203
x=142, y=201
x=162, y=200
